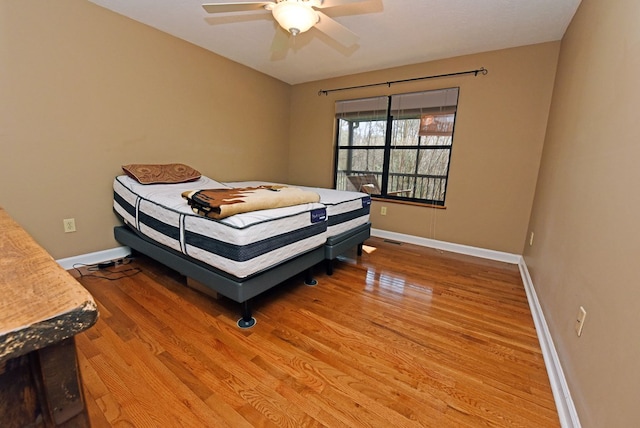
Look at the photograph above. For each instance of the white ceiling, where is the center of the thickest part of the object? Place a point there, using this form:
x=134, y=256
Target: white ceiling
x=392, y=32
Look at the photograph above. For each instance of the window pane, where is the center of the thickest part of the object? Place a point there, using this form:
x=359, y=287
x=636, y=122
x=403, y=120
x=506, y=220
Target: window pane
x=358, y=162
x=402, y=172
x=370, y=133
x=430, y=188
x=434, y=162
x=343, y=132
x=361, y=133
x=362, y=122
x=418, y=173
x=361, y=161
x=403, y=161
x=405, y=132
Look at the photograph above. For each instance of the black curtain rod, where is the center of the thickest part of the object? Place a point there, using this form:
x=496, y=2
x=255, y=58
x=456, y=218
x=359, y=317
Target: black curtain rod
x=481, y=70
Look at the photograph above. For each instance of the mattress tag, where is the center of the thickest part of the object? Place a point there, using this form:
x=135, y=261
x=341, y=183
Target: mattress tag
x=318, y=215
x=366, y=201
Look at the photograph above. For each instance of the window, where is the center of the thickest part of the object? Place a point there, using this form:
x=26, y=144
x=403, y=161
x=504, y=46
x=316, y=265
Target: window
x=398, y=146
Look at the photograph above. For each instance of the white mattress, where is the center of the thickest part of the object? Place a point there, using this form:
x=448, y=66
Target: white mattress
x=241, y=245
x=345, y=210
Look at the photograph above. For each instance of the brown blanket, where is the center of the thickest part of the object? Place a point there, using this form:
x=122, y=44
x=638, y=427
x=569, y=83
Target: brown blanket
x=221, y=203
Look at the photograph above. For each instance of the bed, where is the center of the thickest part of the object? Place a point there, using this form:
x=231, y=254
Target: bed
x=348, y=223
x=239, y=256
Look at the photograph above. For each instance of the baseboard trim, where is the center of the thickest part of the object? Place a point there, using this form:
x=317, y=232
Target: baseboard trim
x=93, y=258
x=564, y=403
x=448, y=246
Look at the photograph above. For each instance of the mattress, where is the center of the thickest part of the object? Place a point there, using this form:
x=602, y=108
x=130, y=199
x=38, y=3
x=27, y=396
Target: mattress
x=240, y=245
x=346, y=210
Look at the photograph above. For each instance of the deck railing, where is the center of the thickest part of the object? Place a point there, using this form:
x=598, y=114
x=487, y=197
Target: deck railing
x=413, y=186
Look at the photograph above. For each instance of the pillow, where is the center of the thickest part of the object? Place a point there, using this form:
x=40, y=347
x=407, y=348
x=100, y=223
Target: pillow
x=165, y=174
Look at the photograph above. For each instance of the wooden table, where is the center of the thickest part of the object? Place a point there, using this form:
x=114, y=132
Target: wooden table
x=42, y=308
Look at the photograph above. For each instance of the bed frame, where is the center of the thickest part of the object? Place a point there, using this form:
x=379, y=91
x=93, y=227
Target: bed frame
x=240, y=290
x=338, y=244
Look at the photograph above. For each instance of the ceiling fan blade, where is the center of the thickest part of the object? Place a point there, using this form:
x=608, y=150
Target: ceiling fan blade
x=235, y=7
x=336, y=31
x=332, y=3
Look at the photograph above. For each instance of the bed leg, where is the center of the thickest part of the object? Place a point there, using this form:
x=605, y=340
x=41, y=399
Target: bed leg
x=360, y=249
x=308, y=278
x=329, y=266
x=247, y=320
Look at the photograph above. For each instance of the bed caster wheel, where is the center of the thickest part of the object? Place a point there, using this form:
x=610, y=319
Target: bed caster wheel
x=246, y=323
x=308, y=278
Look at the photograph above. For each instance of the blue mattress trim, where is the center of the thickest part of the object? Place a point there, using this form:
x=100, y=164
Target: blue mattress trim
x=350, y=215
x=242, y=253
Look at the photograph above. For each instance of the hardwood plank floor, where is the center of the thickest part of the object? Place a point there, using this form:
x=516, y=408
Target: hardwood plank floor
x=402, y=336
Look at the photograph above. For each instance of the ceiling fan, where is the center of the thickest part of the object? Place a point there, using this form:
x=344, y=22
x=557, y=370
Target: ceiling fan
x=296, y=16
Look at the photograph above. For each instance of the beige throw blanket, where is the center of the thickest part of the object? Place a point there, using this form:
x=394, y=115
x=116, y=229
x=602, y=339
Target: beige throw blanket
x=221, y=203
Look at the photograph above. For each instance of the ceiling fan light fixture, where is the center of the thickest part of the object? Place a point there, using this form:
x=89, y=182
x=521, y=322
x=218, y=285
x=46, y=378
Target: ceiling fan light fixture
x=294, y=16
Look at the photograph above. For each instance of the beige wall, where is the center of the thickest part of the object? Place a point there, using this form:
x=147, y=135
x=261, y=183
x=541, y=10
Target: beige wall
x=497, y=146
x=84, y=90
x=587, y=209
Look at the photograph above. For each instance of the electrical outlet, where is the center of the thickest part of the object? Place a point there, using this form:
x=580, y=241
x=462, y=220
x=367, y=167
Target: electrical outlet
x=69, y=225
x=582, y=314
x=531, y=239
x=383, y=211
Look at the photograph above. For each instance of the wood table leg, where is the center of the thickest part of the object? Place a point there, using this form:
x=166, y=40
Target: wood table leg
x=19, y=401
x=61, y=384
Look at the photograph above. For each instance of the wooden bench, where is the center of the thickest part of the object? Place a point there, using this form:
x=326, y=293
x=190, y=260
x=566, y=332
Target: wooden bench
x=42, y=308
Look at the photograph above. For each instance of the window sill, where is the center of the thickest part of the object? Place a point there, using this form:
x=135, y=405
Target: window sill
x=415, y=204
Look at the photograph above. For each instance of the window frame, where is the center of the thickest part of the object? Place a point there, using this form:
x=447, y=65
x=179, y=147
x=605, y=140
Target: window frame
x=384, y=177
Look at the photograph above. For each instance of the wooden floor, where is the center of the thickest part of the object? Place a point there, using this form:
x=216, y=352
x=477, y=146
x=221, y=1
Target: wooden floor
x=402, y=336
